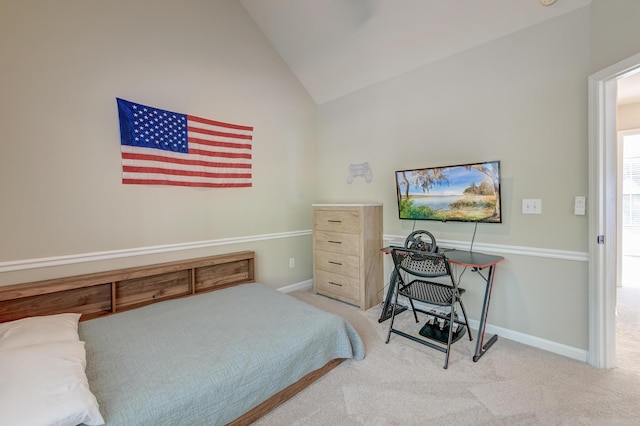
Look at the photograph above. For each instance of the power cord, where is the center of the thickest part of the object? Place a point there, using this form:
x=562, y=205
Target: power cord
x=473, y=237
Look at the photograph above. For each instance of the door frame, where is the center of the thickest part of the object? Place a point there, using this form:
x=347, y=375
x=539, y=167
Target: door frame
x=602, y=209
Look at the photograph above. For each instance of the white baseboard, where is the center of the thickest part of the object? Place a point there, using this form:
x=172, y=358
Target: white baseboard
x=536, y=342
x=516, y=336
x=299, y=286
x=526, y=339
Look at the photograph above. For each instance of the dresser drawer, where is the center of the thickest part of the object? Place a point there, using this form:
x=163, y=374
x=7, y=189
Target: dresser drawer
x=338, y=286
x=337, y=242
x=347, y=264
x=338, y=221
x=343, y=264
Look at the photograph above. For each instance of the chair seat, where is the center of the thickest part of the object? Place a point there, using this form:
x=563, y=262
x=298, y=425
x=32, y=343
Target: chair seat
x=430, y=292
x=426, y=277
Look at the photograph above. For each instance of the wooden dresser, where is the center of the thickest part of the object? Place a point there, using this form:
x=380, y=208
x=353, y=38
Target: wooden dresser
x=347, y=262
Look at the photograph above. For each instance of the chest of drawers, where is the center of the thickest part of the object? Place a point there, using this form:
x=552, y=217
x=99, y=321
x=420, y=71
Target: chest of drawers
x=347, y=262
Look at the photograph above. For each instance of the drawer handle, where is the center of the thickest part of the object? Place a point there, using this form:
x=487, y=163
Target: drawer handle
x=336, y=263
x=335, y=242
x=334, y=221
x=339, y=285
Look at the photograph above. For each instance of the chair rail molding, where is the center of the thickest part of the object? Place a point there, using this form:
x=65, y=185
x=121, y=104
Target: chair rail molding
x=502, y=249
x=43, y=262
x=17, y=265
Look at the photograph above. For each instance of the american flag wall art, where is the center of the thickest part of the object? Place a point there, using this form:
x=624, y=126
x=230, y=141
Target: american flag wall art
x=161, y=147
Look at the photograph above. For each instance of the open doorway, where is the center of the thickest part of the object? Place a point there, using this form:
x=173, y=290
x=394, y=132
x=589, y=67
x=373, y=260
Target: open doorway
x=628, y=283
x=604, y=220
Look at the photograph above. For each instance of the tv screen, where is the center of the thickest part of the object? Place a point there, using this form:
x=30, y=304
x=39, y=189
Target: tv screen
x=465, y=192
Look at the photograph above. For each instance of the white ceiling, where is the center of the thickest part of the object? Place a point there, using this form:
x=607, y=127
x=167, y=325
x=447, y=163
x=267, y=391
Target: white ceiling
x=336, y=47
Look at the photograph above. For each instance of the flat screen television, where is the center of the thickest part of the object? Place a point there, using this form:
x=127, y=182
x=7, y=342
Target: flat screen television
x=465, y=192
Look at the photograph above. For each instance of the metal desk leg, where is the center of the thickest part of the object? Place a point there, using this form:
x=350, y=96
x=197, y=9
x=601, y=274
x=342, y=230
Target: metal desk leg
x=481, y=348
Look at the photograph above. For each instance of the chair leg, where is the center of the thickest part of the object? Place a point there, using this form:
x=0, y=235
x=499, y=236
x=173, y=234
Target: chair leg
x=446, y=356
x=464, y=314
x=393, y=317
x=413, y=308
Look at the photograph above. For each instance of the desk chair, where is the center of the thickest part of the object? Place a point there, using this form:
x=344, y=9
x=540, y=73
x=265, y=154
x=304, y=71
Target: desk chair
x=426, y=277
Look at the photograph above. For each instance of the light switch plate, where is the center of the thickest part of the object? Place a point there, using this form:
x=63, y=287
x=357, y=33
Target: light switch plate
x=579, y=205
x=531, y=206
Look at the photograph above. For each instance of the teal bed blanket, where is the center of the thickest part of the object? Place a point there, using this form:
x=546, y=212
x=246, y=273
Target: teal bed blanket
x=210, y=358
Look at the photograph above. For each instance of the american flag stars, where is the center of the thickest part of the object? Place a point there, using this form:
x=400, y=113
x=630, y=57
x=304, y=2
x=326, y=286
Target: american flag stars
x=159, y=128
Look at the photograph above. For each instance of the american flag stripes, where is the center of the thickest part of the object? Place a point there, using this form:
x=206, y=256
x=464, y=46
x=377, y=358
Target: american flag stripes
x=167, y=148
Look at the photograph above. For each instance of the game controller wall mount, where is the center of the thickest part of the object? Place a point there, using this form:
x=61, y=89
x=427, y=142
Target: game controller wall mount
x=359, y=170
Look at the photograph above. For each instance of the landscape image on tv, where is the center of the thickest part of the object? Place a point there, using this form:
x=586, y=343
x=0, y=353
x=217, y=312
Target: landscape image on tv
x=467, y=192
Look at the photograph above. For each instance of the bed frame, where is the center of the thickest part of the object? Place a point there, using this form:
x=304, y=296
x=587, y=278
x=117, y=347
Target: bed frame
x=107, y=293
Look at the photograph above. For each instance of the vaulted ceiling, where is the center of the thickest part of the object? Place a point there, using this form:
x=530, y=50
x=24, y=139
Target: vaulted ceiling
x=336, y=47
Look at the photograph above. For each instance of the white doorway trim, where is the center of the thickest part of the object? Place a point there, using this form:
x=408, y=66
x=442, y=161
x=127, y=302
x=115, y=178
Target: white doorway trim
x=602, y=210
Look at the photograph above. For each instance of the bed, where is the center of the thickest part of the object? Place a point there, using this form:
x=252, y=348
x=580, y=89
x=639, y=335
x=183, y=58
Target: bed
x=200, y=357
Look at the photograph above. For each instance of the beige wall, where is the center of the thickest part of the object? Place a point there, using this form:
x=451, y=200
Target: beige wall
x=522, y=100
x=63, y=65
x=615, y=32
x=628, y=117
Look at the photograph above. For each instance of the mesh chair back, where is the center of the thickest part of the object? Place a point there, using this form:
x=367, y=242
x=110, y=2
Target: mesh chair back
x=421, y=264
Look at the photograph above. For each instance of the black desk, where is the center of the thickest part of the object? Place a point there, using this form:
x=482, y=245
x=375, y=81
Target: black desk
x=477, y=262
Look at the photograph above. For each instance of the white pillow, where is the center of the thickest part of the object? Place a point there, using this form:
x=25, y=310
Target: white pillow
x=46, y=384
x=36, y=330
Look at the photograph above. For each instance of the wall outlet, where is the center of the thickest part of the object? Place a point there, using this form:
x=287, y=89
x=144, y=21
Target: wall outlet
x=292, y=262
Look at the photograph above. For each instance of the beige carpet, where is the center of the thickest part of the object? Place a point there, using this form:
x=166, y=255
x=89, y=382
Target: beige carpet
x=403, y=383
x=628, y=328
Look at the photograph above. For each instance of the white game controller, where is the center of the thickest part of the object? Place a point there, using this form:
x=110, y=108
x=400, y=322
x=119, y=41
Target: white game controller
x=357, y=170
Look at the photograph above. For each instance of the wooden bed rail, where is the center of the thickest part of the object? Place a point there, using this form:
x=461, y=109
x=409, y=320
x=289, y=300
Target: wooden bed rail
x=105, y=293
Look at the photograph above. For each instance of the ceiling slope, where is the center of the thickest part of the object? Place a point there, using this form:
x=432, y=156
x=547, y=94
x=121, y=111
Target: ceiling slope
x=336, y=47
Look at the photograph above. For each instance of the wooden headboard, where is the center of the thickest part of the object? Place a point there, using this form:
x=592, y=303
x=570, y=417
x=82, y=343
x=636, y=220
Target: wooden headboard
x=105, y=293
